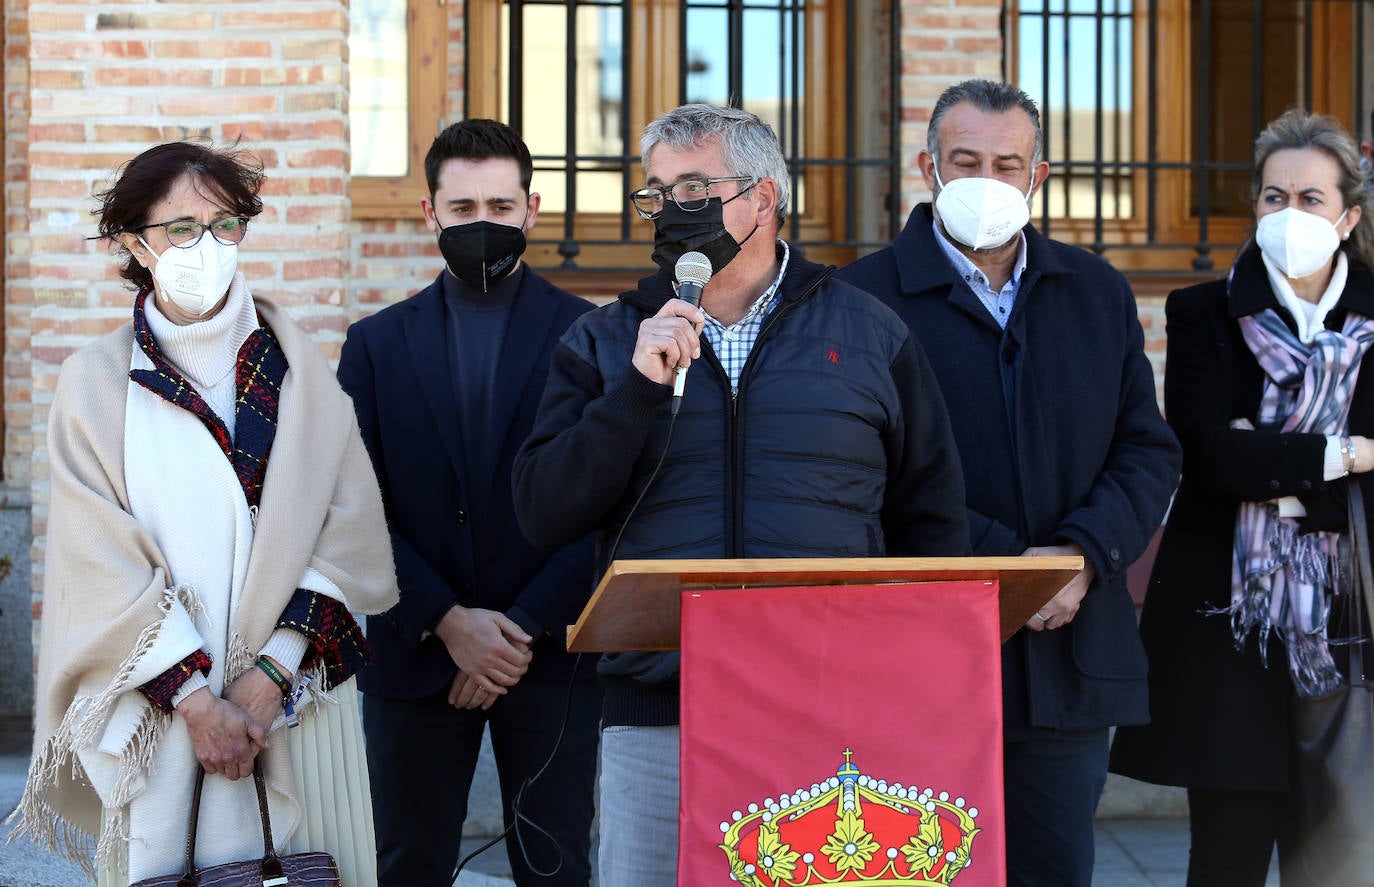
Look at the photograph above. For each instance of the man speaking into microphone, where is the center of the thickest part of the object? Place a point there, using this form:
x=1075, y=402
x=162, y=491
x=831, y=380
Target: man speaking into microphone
x=810, y=426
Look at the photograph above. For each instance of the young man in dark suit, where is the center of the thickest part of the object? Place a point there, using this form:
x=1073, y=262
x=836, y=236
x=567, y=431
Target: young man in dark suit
x=446, y=385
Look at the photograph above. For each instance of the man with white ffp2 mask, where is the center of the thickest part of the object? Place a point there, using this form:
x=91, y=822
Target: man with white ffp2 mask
x=983, y=214
x=1040, y=359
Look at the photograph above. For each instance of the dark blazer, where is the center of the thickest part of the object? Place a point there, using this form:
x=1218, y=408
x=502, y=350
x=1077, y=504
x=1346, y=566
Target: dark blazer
x=1218, y=717
x=455, y=538
x=1061, y=441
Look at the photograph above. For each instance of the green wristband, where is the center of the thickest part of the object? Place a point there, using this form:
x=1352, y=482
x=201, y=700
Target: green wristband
x=275, y=674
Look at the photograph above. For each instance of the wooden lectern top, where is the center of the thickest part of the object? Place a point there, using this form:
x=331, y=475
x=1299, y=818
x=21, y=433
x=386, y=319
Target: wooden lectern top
x=638, y=605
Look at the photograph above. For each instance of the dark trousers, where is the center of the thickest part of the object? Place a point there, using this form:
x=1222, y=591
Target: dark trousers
x=1234, y=833
x=421, y=754
x=1053, y=780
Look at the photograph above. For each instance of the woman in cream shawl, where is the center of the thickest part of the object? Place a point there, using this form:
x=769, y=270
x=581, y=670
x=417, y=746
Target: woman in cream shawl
x=214, y=524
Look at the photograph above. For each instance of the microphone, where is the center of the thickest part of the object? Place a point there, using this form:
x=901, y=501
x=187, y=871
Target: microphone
x=692, y=271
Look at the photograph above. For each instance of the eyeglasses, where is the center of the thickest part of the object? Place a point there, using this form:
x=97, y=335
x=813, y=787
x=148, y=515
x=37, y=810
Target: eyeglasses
x=689, y=195
x=186, y=233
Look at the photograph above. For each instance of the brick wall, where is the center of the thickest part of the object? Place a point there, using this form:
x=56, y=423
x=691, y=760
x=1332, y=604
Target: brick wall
x=18, y=294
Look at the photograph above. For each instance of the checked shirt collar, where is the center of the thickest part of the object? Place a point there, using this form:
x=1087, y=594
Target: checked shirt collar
x=733, y=343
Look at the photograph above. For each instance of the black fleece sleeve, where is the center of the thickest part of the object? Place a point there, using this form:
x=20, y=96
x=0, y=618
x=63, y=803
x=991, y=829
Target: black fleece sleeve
x=577, y=462
x=923, y=507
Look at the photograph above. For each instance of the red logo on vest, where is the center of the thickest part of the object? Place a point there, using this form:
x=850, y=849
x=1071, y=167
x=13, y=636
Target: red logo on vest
x=833, y=356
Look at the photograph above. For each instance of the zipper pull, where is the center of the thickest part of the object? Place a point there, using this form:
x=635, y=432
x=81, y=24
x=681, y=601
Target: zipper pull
x=253, y=515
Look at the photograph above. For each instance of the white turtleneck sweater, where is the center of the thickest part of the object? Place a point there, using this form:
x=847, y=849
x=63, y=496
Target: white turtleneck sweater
x=206, y=354
x=206, y=351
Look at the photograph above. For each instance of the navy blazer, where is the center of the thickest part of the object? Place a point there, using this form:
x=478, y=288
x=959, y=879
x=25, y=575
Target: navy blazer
x=455, y=538
x=1061, y=441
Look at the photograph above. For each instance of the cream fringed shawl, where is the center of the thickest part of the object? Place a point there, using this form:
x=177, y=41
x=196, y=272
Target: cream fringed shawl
x=108, y=592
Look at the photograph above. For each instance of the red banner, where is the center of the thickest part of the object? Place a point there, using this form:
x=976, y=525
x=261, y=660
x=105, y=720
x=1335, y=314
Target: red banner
x=842, y=735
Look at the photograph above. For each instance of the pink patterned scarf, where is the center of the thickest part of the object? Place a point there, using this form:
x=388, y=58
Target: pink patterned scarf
x=1281, y=578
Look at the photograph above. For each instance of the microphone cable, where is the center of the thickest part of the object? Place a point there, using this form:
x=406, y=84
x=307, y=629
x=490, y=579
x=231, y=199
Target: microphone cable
x=518, y=802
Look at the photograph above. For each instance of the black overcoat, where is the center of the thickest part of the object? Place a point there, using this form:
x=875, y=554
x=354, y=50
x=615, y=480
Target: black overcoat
x=1219, y=719
x=1061, y=441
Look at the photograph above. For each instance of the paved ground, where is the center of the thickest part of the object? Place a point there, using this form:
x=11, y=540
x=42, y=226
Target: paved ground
x=1130, y=852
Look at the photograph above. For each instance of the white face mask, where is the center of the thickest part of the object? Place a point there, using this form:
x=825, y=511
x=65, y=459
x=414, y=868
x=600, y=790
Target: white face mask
x=1298, y=243
x=981, y=213
x=197, y=277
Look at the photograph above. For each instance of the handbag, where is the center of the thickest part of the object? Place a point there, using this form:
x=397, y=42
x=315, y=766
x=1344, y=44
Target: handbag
x=1334, y=743
x=313, y=869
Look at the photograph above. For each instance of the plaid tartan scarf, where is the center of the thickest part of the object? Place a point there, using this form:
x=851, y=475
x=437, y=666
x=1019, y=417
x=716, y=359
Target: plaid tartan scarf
x=1280, y=578
x=258, y=375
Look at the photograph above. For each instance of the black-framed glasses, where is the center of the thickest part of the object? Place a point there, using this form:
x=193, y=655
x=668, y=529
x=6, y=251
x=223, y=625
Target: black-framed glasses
x=689, y=195
x=186, y=233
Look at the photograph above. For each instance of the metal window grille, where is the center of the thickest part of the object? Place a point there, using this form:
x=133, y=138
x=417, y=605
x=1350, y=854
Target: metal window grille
x=752, y=53
x=1246, y=62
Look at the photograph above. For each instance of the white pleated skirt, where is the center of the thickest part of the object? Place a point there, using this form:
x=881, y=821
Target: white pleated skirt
x=329, y=768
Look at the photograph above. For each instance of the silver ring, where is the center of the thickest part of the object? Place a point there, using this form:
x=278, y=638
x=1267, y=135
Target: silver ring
x=1041, y=618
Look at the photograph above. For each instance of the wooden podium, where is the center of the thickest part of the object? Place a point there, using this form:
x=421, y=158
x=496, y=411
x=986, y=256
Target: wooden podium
x=867, y=694
x=637, y=604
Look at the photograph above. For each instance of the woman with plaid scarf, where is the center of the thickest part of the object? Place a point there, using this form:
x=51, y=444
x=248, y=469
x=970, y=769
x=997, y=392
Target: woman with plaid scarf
x=1266, y=389
x=214, y=525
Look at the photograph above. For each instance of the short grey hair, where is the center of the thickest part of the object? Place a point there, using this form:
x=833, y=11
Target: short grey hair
x=747, y=144
x=985, y=95
x=1297, y=129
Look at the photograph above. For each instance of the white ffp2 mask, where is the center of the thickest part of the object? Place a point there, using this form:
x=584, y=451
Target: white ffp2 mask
x=1298, y=243
x=195, y=278
x=981, y=213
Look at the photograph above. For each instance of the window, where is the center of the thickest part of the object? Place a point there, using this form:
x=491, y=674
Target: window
x=1151, y=109
x=580, y=79
x=1090, y=93
x=397, y=79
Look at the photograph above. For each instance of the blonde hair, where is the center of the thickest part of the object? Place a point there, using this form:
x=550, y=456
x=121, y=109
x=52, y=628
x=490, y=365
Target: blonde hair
x=1297, y=129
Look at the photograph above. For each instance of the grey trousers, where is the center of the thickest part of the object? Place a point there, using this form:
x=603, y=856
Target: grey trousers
x=639, y=807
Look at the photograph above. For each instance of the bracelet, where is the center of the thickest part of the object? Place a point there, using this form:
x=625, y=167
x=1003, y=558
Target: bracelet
x=1348, y=454
x=275, y=674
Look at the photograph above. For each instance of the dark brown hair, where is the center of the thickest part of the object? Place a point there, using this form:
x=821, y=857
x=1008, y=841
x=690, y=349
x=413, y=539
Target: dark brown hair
x=228, y=176
x=478, y=139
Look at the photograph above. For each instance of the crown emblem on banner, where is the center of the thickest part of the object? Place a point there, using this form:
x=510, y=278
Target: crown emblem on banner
x=851, y=829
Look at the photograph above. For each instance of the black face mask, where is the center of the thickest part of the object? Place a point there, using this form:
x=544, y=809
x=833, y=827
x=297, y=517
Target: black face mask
x=481, y=253
x=677, y=231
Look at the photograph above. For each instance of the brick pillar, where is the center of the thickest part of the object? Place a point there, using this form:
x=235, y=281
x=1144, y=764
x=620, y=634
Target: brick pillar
x=18, y=295
x=108, y=80
x=942, y=43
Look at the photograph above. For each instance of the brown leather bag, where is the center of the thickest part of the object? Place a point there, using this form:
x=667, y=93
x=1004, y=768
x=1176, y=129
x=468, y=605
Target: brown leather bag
x=316, y=869
x=1333, y=767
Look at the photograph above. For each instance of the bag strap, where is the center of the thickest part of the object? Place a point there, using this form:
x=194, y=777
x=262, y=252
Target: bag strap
x=1362, y=591
x=271, y=864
